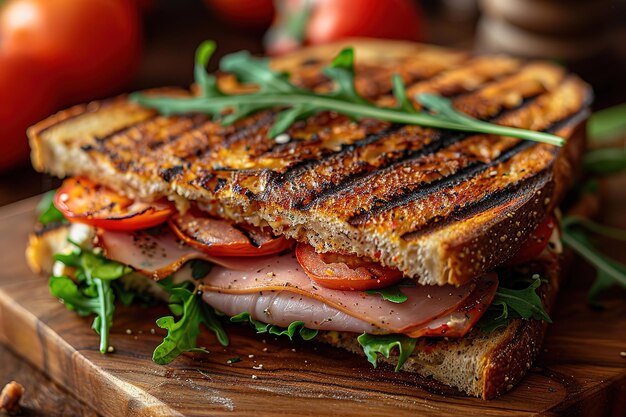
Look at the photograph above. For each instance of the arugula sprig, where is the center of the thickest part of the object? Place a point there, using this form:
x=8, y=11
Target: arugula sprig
x=394, y=293
x=293, y=103
x=48, y=213
x=289, y=331
x=185, y=302
x=605, y=161
x=373, y=345
x=90, y=292
x=575, y=234
x=509, y=303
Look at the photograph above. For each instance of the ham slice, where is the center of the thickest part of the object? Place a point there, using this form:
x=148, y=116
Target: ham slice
x=283, y=274
x=283, y=308
x=156, y=252
x=274, y=289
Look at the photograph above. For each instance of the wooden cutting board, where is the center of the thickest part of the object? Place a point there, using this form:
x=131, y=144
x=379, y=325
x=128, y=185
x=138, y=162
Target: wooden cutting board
x=580, y=371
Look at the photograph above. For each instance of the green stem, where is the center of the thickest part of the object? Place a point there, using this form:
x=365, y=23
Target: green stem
x=215, y=104
x=102, y=312
x=594, y=258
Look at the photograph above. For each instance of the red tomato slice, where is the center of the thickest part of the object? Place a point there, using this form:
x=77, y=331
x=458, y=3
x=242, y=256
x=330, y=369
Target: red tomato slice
x=536, y=243
x=218, y=237
x=83, y=201
x=345, y=272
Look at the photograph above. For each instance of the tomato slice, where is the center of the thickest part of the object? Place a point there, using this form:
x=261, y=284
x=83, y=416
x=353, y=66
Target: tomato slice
x=218, y=237
x=345, y=272
x=83, y=201
x=536, y=243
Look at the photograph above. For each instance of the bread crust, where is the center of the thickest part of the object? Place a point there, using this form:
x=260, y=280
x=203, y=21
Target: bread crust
x=449, y=236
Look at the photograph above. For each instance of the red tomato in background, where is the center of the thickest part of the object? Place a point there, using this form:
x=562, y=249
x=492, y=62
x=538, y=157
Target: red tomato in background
x=244, y=14
x=27, y=95
x=92, y=45
x=301, y=22
x=389, y=19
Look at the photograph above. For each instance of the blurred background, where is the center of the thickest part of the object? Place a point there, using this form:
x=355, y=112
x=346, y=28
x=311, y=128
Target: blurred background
x=56, y=53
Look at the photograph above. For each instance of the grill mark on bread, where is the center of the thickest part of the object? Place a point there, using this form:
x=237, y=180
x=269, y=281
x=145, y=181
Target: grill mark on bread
x=441, y=141
x=198, y=121
x=501, y=197
x=306, y=165
x=471, y=170
x=364, y=171
x=378, y=188
x=102, y=140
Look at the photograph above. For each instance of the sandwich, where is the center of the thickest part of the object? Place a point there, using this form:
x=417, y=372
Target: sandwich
x=394, y=199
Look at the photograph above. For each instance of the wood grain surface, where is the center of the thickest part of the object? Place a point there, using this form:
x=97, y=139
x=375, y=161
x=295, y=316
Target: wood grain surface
x=580, y=371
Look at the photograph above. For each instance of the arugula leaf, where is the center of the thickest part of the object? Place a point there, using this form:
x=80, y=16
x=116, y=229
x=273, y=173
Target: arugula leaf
x=200, y=268
x=610, y=272
x=127, y=295
x=526, y=303
x=182, y=334
x=290, y=331
x=607, y=124
x=99, y=267
x=393, y=292
x=206, y=82
x=605, y=161
x=291, y=103
x=514, y=303
x=67, y=291
x=373, y=345
x=48, y=213
x=92, y=293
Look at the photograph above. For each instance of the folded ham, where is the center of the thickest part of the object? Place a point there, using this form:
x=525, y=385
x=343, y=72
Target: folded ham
x=274, y=289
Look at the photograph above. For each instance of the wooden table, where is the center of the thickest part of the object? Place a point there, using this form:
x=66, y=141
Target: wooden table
x=579, y=370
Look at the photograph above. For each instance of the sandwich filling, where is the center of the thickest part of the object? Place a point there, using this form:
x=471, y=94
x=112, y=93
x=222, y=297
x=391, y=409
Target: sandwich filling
x=250, y=273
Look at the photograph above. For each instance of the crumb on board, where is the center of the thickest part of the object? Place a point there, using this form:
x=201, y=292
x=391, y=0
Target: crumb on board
x=10, y=398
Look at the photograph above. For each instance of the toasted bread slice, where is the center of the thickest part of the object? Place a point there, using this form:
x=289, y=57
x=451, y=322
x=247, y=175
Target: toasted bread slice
x=441, y=206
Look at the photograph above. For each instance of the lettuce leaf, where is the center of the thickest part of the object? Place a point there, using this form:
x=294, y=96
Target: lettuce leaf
x=394, y=293
x=48, y=213
x=289, y=331
x=90, y=292
x=182, y=334
x=374, y=344
x=509, y=303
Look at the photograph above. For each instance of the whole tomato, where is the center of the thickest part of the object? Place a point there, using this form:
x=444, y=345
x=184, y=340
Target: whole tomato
x=244, y=14
x=92, y=45
x=313, y=22
x=27, y=95
x=390, y=19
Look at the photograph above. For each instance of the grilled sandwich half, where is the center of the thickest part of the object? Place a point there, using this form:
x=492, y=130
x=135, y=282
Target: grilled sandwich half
x=442, y=207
